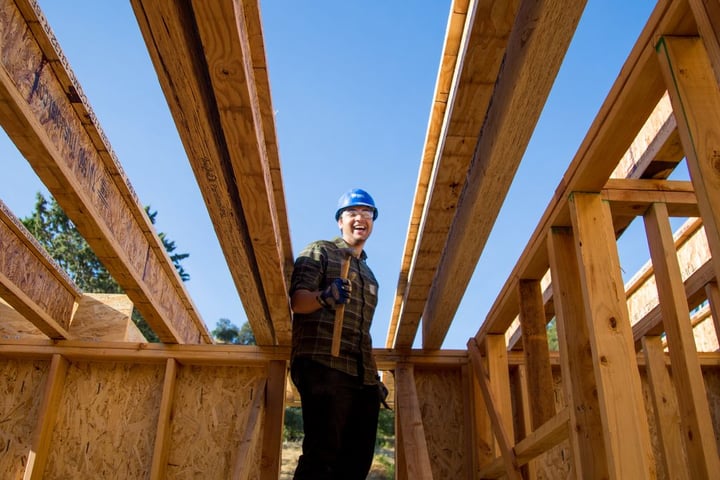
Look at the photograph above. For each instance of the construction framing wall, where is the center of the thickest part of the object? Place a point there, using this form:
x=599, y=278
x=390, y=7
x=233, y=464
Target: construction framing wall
x=633, y=390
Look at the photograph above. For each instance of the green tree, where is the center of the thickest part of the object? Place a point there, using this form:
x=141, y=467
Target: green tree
x=293, y=424
x=54, y=231
x=229, y=333
x=552, y=336
x=58, y=235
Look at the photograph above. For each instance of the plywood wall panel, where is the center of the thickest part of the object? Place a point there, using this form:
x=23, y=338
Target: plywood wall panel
x=21, y=388
x=441, y=404
x=106, y=421
x=211, y=407
x=48, y=118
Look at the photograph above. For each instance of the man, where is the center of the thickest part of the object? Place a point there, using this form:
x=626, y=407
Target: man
x=339, y=394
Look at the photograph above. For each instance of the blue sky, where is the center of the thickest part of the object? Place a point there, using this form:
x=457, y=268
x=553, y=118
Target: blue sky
x=352, y=83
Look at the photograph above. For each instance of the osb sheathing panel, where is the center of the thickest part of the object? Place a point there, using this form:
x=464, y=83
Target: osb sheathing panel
x=706, y=339
x=439, y=392
x=104, y=316
x=653, y=427
x=210, y=412
x=20, y=394
x=15, y=326
x=106, y=421
x=99, y=316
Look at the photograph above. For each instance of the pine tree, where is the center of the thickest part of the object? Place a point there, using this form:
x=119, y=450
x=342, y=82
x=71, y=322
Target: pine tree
x=57, y=233
x=227, y=332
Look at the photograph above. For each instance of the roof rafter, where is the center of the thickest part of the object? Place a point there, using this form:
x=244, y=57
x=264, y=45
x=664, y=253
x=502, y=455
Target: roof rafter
x=214, y=79
x=45, y=113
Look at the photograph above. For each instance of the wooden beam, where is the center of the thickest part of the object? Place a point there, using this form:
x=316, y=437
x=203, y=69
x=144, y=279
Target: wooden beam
x=651, y=323
x=414, y=446
x=537, y=45
x=47, y=413
x=632, y=99
x=151, y=353
x=31, y=281
x=653, y=155
x=695, y=97
x=631, y=198
x=171, y=35
x=688, y=237
x=44, y=112
x=657, y=141
x=31, y=310
x=695, y=420
x=707, y=16
x=475, y=46
x=225, y=37
x=253, y=23
x=587, y=440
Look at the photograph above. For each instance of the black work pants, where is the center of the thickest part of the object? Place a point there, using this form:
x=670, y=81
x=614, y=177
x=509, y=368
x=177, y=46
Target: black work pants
x=340, y=417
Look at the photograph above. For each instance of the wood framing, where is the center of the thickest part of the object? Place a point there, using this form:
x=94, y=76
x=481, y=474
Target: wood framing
x=580, y=385
x=45, y=113
x=475, y=45
x=200, y=51
x=627, y=394
x=527, y=76
x=32, y=282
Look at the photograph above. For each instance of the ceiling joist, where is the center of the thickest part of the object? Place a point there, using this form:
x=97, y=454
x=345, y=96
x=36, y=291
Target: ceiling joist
x=44, y=112
x=212, y=72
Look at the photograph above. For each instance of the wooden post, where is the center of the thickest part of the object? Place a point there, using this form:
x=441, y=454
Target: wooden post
x=695, y=98
x=274, y=417
x=713, y=296
x=47, y=414
x=162, y=435
x=622, y=408
x=537, y=355
x=415, y=449
x=576, y=363
x=695, y=419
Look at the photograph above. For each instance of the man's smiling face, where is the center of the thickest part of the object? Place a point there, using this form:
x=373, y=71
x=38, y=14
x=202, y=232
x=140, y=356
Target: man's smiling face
x=356, y=224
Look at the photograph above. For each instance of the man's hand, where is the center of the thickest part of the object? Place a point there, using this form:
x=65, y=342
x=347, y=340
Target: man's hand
x=336, y=293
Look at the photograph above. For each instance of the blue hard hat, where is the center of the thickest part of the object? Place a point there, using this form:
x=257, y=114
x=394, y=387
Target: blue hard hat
x=355, y=198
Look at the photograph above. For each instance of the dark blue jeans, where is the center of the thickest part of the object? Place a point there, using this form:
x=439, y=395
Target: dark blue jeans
x=340, y=417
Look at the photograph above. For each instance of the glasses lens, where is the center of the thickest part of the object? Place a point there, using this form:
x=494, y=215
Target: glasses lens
x=351, y=213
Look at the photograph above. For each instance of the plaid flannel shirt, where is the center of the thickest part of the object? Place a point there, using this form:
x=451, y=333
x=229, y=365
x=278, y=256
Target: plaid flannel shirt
x=316, y=266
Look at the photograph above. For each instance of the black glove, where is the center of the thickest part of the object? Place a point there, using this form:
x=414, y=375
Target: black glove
x=336, y=293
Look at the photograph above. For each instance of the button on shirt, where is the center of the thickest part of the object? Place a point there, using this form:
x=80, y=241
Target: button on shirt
x=316, y=266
